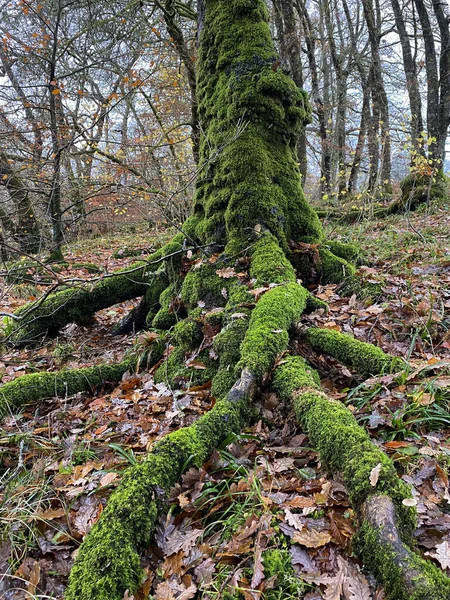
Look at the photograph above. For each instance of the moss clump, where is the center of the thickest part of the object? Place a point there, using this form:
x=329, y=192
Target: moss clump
x=277, y=563
x=365, y=359
x=267, y=334
x=429, y=582
x=269, y=263
x=76, y=305
x=254, y=180
x=347, y=251
x=205, y=285
x=165, y=318
x=187, y=334
x=35, y=386
x=175, y=371
x=418, y=189
x=108, y=562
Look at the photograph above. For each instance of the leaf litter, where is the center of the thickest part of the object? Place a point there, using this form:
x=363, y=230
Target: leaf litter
x=266, y=490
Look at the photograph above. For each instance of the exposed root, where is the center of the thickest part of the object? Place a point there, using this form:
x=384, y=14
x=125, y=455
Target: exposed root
x=403, y=573
x=386, y=523
x=48, y=315
x=108, y=562
x=36, y=386
x=365, y=359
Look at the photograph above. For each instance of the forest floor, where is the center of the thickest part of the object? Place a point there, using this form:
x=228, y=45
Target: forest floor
x=262, y=516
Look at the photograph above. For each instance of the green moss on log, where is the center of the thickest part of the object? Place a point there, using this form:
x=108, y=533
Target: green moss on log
x=108, y=561
x=365, y=359
x=343, y=445
x=267, y=335
x=75, y=305
x=204, y=285
x=420, y=189
x=269, y=263
x=429, y=582
x=35, y=386
x=347, y=251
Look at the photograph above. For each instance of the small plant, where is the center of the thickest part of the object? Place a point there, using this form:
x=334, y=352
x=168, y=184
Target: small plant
x=63, y=351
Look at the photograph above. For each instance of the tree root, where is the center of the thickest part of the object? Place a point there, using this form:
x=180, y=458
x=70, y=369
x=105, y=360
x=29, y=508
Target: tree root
x=48, y=315
x=108, y=561
x=36, y=386
x=386, y=523
x=366, y=359
x=404, y=573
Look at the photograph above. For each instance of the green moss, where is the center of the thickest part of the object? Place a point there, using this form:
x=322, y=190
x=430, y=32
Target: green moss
x=429, y=582
x=187, y=334
x=76, y=305
x=35, y=386
x=222, y=383
x=365, y=359
x=250, y=179
x=175, y=372
x=269, y=263
x=165, y=318
x=344, y=446
x=347, y=251
x=313, y=303
x=332, y=268
x=278, y=564
x=267, y=335
x=417, y=189
x=204, y=285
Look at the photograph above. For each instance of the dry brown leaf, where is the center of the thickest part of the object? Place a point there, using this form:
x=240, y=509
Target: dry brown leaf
x=293, y=520
x=177, y=541
x=442, y=554
x=34, y=578
x=311, y=538
x=108, y=479
x=226, y=273
x=164, y=592
x=51, y=513
x=188, y=593
x=357, y=587
x=375, y=475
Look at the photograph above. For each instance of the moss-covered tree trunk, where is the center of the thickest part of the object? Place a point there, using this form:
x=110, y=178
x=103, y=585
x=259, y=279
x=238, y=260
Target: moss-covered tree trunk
x=250, y=219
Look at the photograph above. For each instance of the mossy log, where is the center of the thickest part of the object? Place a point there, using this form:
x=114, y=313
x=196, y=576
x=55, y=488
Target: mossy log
x=49, y=315
x=415, y=191
x=386, y=523
x=366, y=359
x=36, y=386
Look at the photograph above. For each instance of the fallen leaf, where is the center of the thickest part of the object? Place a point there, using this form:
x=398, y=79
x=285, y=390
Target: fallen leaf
x=293, y=520
x=442, y=554
x=226, y=273
x=311, y=538
x=108, y=479
x=374, y=475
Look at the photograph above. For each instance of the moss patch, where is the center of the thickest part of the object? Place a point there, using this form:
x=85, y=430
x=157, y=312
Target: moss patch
x=267, y=335
x=365, y=359
x=108, y=561
x=35, y=386
x=251, y=116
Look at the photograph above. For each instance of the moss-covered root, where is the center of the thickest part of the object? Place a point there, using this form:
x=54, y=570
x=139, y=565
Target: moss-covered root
x=108, y=562
x=346, y=448
x=36, y=386
x=365, y=359
x=404, y=574
x=47, y=316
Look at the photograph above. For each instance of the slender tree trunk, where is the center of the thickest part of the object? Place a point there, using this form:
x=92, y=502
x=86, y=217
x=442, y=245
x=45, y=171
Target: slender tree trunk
x=380, y=120
x=290, y=46
x=412, y=83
